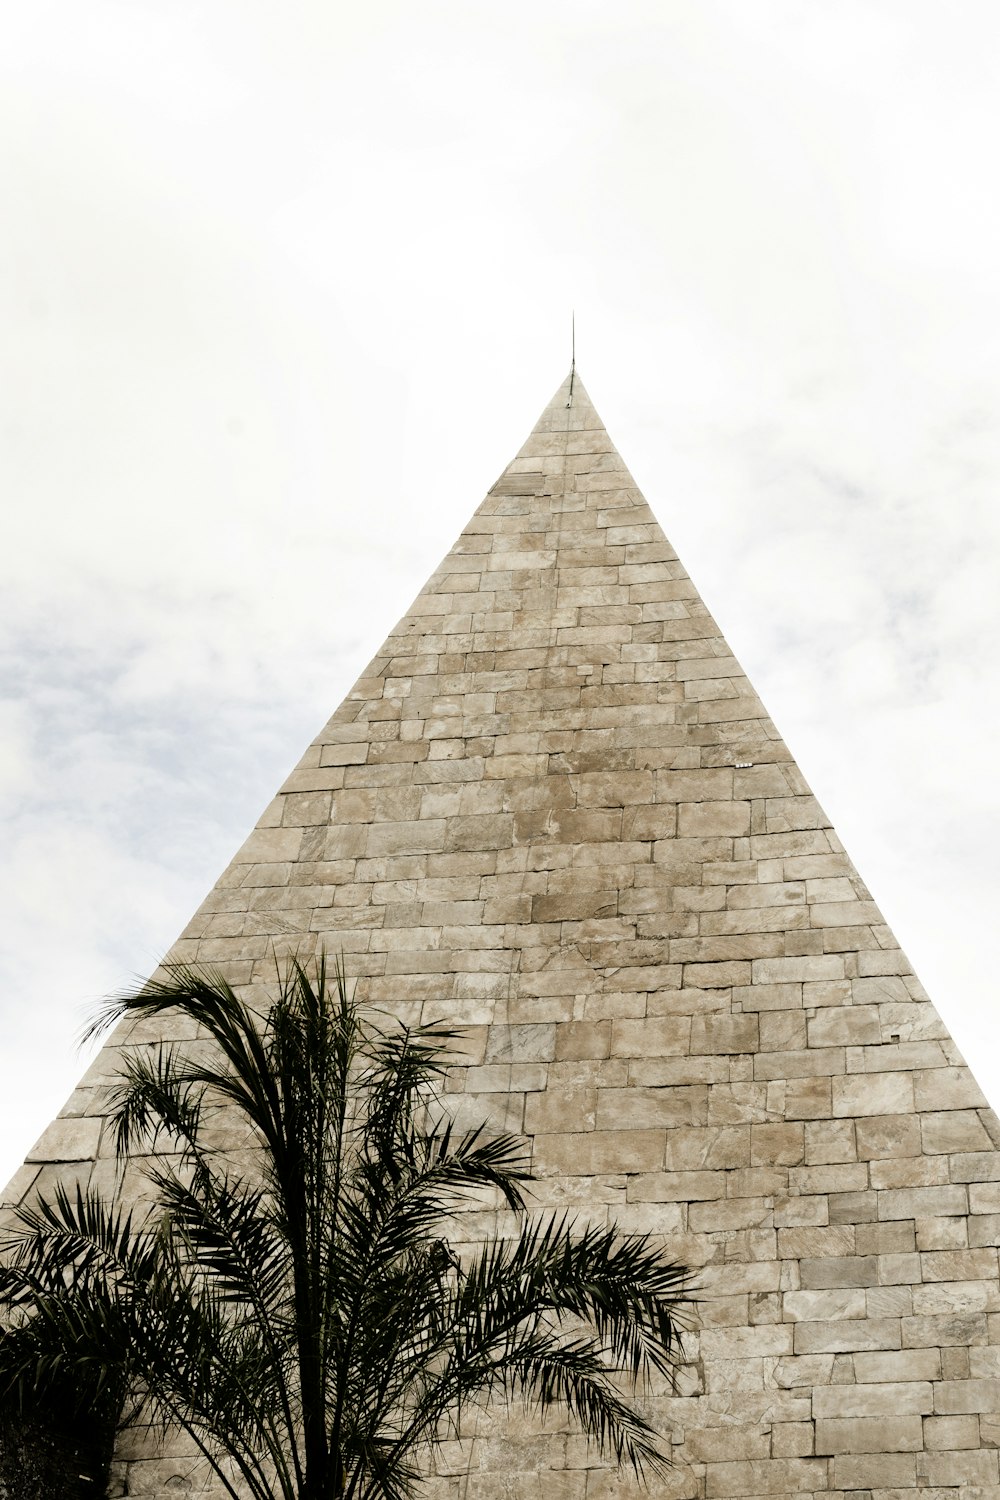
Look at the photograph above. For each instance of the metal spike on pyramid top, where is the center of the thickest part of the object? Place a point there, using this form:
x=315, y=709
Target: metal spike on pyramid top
x=555, y=812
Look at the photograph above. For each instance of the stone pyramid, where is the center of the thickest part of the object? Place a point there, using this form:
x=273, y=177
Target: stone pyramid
x=555, y=812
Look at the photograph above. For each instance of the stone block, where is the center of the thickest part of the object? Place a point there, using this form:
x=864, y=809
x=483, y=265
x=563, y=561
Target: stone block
x=67, y=1139
x=696, y=1150
x=425, y=836
x=713, y=819
x=803, y=1211
x=738, y=1104
x=682, y=1483
x=984, y=1198
x=812, y=1062
x=870, y=1435
x=599, y=1151
x=723, y=1034
x=716, y=976
x=896, y=1237
x=873, y=1094
x=974, y=1166
x=888, y=1136
x=956, y=1297
x=644, y=1108
x=889, y=1301
x=957, y=1397
x=951, y=1433
x=747, y=1343
x=891, y=1476
x=675, y=1187
x=830, y=1141
x=811, y=1306
x=522, y=1043
x=776, y=1145
x=947, y=1088
x=984, y=1229
x=922, y=1202
x=847, y=1335
x=910, y=1172
x=844, y=1182
x=583, y=1039
x=782, y=1031
x=759, y=1477
x=954, y=1130
x=977, y=1471
x=808, y=1099
x=792, y=1439
x=895, y=1368
x=559, y=1110
x=845, y=1026
x=655, y=1036
x=796, y=1242
x=728, y=1443
x=936, y=1331
x=868, y=1400
x=959, y=1265
x=839, y=1271
x=896, y=1270
x=853, y=1208
x=942, y=1234
x=810, y=967
x=984, y=1363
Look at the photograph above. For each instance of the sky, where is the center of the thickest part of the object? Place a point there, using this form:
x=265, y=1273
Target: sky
x=284, y=287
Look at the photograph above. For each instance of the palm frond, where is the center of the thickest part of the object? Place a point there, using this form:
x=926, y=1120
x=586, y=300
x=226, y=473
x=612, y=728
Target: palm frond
x=297, y=1308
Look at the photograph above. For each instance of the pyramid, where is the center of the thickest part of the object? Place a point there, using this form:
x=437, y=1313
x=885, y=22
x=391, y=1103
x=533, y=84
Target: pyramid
x=554, y=812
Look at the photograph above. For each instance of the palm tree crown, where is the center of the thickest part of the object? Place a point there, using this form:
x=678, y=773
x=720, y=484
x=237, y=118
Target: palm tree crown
x=293, y=1302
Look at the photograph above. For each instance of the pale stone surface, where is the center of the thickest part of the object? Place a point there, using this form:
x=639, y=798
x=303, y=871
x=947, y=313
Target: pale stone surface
x=553, y=811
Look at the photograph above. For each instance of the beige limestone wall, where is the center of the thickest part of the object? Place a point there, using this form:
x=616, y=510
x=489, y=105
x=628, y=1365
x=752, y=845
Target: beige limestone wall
x=554, y=811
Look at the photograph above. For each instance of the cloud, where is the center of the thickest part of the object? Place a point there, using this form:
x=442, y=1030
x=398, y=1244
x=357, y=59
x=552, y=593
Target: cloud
x=281, y=294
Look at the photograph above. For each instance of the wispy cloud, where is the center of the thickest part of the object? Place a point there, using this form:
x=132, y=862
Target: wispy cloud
x=280, y=293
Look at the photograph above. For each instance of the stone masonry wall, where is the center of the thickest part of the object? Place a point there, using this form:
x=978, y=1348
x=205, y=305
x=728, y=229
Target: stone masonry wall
x=554, y=812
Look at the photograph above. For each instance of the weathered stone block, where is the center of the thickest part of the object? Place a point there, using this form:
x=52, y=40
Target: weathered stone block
x=556, y=1111
x=829, y=1141
x=713, y=819
x=959, y=1265
x=776, y=1145
x=947, y=1088
x=758, y=1477
x=839, y=1271
x=868, y=1400
x=891, y=1369
x=921, y=1202
x=846, y=1026
x=957, y=1396
x=599, y=1151
x=70, y=1140
x=951, y=1432
x=719, y=1034
x=873, y=1094
x=656, y=1036
x=885, y=1474
x=870, y=1435
x=847, y=1335
x=954, y=1131
x=809, y=1306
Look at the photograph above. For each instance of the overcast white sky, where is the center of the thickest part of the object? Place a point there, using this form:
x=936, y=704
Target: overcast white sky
x=284, y=286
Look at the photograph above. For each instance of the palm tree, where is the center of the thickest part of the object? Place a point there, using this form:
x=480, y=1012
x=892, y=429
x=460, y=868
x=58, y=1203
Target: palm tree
x=292, y=1302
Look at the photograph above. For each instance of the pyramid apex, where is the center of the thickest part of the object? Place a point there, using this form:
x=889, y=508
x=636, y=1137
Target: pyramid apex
x=569, y=410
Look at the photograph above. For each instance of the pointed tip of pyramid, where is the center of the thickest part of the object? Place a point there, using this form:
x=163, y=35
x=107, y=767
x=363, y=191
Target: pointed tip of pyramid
x=571, y=393
x=570, y=410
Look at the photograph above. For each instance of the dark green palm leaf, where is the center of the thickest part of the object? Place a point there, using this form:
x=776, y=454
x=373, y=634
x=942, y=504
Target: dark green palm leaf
x=297, y=1307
